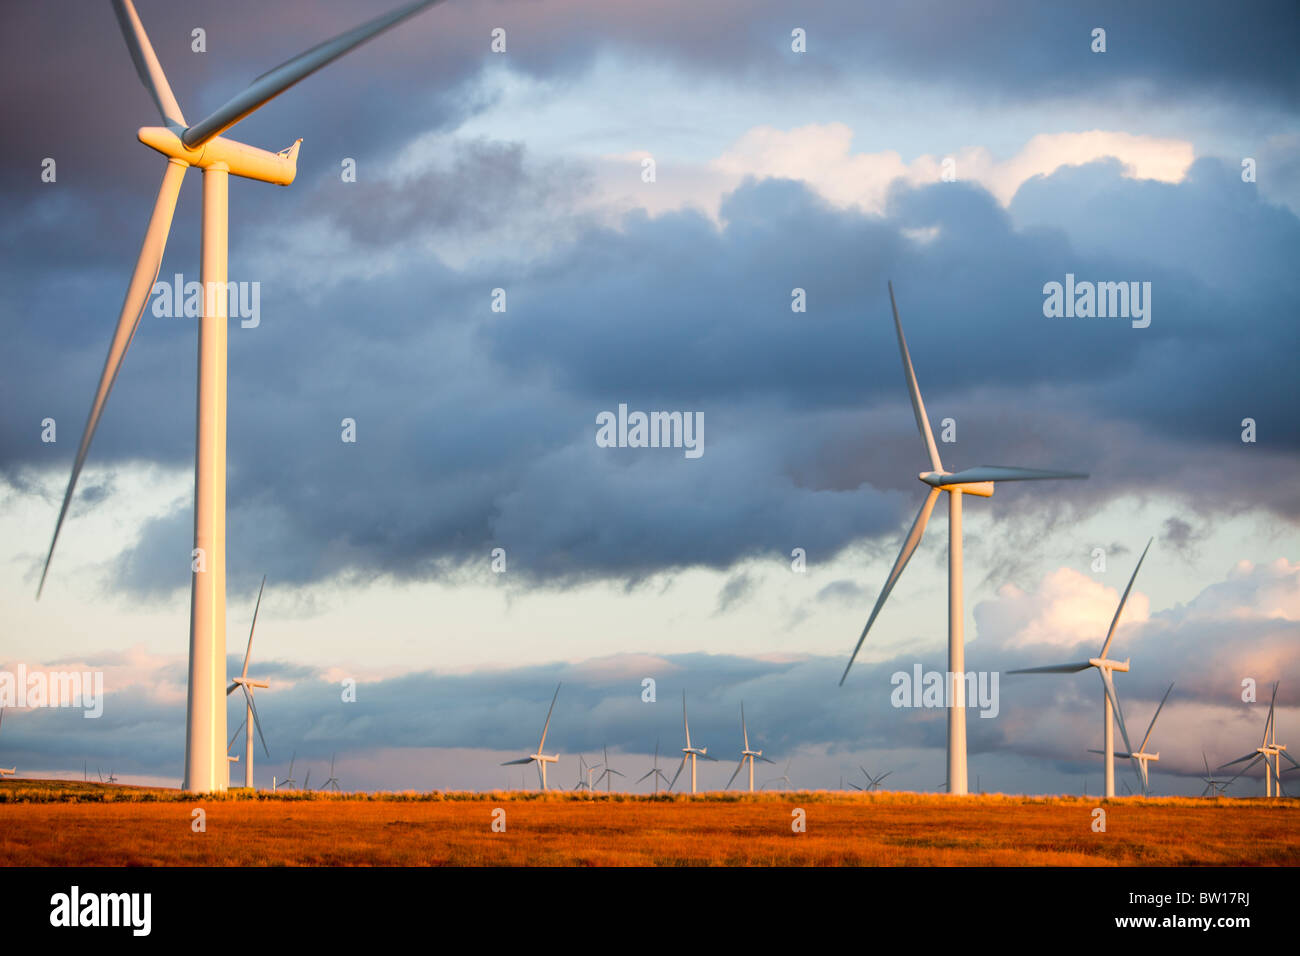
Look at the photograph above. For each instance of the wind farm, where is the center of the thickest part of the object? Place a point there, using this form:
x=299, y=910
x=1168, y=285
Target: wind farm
x=568, y=359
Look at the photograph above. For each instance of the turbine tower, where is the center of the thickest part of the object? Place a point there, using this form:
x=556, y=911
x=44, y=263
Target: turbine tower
x=540, y=758
x=746, y=755
x=202, y=146
x=973, y=481
x=1104, y=666
x=1141, y=756
x=246, y=684
x=655, y=772
x=688, y=752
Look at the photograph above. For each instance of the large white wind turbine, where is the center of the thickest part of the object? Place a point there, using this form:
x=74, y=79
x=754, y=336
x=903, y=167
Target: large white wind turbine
x=1268, y=749
x=1104, y=666
x=202, y=146
x=246, y=684
x=972, y=481
x=540, y=758
x=1140, y=755
x=746, y=755
x=655, y=772
x=688, y=752
x=10, y=771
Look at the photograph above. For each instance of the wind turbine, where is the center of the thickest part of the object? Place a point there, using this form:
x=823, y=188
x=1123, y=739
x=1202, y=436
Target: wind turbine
x=688, y=752
x=1104, y=666
x=655, y=772
x=1268, y=747
x=333, y=780
x=1141, y=756
x=747, y=755
x=246, y=684
x=972, y=481
x=10, y=771
x=873, y=782
x=585, y=771
x=202, y=146
x=289, y=781
x=784, y=778
x=306, y=783
x=608, y=773
x=1213, y=786
x=540, y=757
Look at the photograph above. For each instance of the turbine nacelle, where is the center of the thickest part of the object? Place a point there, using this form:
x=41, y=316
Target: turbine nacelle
x=543, y=758
x=239, y=159
x=247, y=682
x=1103, y=663
x=942, y=481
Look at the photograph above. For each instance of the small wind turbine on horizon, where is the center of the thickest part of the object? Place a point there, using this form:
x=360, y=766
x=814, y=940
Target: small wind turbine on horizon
x=202, y=146
x=1104, y=666
x=872, y=782
x=246, y=684
x=609, y=772
x=540, y=757
x=747, y=755
x=784, y=778
x=333, y=780
x=288, y=782
x=6, y=771
x=1213, y=786
x=654, y=772
x=688, y=752
x=1268, y=747
x=972, y=481
x=585, y=771
x=1141, y=756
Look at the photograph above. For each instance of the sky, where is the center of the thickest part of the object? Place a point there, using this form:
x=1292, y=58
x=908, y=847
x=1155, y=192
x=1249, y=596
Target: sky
x=970, y=155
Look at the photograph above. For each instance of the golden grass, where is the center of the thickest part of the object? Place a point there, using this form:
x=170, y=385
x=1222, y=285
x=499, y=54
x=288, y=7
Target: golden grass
x=58, y=823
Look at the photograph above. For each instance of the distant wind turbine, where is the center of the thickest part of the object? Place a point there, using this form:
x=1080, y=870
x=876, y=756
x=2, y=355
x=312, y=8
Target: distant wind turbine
x=202, y=146
x=246, y=684
x=688, y=752
x=655, y=772
x=288, y=782
x=1104, y=666
x=306, y=783
x=540, y=757
x=747, y=755
x=784, y=778
x=1213, y=786
x=609, y=772
x=873, y=783
x=585, y=771
x=333, y=781
x=1268, y=748
x=973, y=481
x=1141, y=756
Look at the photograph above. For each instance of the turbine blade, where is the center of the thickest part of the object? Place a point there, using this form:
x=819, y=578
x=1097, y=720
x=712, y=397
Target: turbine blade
x=678, y=773
x=1054, y=669
x=734, y=774
x=236, y=734
x=256, y=608
x=909, y=545
x=257, y=722
x=1238, y=760
x=271, y=84
x=547, y=726
x=882, y=776
x=128, y=320
x=743, y=728
x=648, y=773
x=1152, y=725
x=1258, y=758
x=765, y=760
x=1110, y=635
x=511, y=763
x=146, y=63
x=1001, y=473
x=1268, y=724
x=918, y=405
x=686, y=721
x=855, y=786
x=1114, y=703
x=1294, y=765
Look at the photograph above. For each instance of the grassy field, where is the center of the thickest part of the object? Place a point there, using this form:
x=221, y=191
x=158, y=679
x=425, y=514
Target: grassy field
x=58, y=823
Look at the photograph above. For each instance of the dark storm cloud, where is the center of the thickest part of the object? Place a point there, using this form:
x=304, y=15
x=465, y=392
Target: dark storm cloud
x=477, y=430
